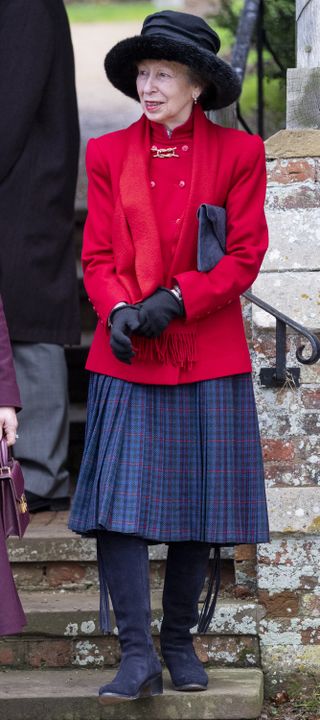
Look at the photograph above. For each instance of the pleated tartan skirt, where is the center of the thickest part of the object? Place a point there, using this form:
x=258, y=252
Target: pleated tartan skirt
x=172, y=463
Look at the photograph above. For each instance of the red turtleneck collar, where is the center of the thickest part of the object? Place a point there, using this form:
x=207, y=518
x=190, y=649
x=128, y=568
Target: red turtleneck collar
x=182, y=132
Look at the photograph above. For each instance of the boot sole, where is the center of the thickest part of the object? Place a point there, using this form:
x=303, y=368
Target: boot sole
x=149, y=689
x=190, y=687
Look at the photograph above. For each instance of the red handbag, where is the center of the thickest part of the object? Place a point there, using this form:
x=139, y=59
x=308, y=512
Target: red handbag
x=13, y=503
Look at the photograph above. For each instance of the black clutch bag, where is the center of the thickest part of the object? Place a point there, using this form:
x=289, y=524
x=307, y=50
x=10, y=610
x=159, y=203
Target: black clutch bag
x=211, y=236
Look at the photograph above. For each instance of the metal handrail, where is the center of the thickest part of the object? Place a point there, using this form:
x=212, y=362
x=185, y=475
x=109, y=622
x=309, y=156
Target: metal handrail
x=278, y=376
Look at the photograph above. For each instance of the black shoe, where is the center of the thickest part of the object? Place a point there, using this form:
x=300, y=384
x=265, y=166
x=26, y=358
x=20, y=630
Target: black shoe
x=37, y=503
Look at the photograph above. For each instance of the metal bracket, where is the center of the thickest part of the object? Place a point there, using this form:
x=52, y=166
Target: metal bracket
x=268, y=378
x=280, y=376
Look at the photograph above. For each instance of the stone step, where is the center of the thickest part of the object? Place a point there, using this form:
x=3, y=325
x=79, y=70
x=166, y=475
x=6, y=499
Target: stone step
x=77, y=615
x=233, y=694
x=83, y=575
x=77, y=416
x=77, y=413
x=51, y=557
x=63, y=631
x=48, y=538
x=77, y=420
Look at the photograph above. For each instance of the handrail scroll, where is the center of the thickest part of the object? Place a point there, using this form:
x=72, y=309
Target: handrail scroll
x=280, y=374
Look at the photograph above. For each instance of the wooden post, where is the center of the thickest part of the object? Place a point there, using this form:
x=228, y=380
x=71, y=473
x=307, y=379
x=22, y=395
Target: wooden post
x=308, y=33
x=303, y=82
x=226, y=117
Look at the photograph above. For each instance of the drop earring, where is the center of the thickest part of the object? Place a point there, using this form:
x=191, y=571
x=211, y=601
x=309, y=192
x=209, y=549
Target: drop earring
x=195, y=99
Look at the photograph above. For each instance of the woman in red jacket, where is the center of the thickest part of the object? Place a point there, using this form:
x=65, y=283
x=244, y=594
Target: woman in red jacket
x=172, y=450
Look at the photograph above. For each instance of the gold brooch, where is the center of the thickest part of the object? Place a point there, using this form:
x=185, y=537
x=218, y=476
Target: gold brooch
x=164, y=152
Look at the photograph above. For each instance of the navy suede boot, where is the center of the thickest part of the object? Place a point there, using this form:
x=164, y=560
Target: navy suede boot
x=186, y=568
x=126, y=565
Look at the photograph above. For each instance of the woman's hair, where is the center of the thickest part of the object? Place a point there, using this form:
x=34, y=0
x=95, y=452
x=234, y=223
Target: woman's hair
x=196, y=79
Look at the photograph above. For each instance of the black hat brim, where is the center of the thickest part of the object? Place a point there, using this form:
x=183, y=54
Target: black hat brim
x=222, y=84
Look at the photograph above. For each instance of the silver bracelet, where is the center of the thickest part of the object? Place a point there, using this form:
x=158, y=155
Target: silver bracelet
x=177, y=293
x=116, y=307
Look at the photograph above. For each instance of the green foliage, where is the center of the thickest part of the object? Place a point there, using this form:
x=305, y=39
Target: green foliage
x=279, y=25
x=229, y=14
x=274, y=103
x=86, y=12
x=306, y=705
x=280, y=32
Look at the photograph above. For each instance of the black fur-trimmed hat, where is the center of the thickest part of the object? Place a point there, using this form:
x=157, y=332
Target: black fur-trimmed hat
x=183, y=38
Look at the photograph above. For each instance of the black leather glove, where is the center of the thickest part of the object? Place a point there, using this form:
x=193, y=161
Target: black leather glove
x=157, y=311
x=124, y=322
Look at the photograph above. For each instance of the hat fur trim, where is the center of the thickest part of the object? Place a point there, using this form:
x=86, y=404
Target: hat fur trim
x=222, y=83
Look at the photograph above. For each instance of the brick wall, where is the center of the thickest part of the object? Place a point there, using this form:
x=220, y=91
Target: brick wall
x=288, y=570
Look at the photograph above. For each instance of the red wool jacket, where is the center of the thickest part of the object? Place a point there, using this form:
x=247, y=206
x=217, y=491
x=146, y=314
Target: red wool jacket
x=134, y=244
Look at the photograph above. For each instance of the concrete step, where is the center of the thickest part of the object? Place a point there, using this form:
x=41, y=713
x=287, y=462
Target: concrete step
x=52, y=557
x=63, y=631
x=233, y=694
x=77, y=417
x=77, y=615
x=48, y=538
x=79, y=575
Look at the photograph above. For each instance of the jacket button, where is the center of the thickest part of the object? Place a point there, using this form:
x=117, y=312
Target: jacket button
x=152, y=183
x=185, y=148
x=181, y=183
x=177, y=221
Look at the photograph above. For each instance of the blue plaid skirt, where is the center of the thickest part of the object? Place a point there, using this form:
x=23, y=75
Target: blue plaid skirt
x=172, y=463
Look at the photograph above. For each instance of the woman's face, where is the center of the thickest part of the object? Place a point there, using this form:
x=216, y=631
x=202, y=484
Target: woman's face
x=166, y=92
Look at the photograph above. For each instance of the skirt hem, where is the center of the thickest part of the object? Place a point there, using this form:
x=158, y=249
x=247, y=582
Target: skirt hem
x=92, y=532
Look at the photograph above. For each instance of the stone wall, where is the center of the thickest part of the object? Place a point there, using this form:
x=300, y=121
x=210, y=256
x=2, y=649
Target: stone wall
x=288, y=570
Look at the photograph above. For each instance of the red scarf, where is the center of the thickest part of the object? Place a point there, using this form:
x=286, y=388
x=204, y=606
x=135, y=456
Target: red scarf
x=135, y=230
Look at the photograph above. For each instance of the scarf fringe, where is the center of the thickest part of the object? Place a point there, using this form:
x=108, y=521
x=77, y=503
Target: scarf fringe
x=178, y=348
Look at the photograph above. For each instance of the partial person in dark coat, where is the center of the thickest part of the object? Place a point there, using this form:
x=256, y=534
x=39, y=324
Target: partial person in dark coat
x=12, y=618
x=38, y=169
